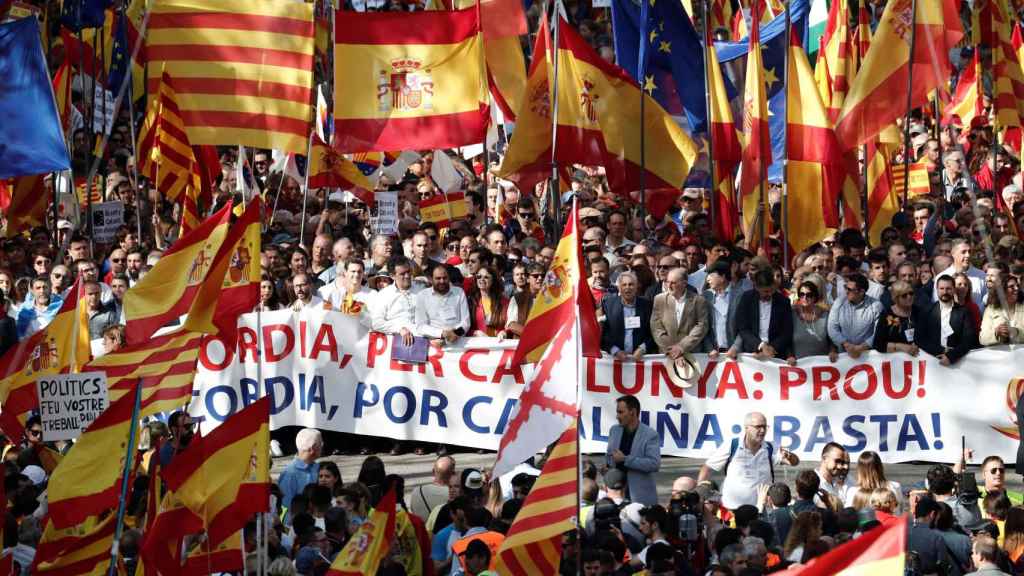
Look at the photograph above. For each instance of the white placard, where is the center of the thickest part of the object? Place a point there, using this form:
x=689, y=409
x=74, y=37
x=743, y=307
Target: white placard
x=102, y=110
x=68, y=403
x=107, y=218
x=386, y=220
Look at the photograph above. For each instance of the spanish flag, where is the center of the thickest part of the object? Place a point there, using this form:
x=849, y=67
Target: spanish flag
x=87, y=482
x=62, y=94
x=503, y=22
x=533, y=544
x=725, y=146
x=815, y=168
x=170, y=523
x=170, y=289
x=413, y=80
x=226, y=557
x=224, y=476
x=883, y=196
x=367, y=547
x=757, y=145
x=528, y=158
x=879, y=552
x=967, y=102
x=329, y=169
x=79, y=550
x=28, y=203
x=599, y=121
x=878, y=95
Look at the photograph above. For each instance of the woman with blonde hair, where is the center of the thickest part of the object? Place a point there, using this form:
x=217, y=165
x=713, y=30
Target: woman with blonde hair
x=871, y=477
x=884, y=502
x=806, y=530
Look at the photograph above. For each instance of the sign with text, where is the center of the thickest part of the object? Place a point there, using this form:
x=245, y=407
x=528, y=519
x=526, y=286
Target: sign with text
x=107, y=219
x=323, y=369
x=385, y=222
x=68, y=403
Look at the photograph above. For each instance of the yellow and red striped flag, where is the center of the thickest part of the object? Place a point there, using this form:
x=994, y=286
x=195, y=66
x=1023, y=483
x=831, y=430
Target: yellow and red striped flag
x=721, y=15
x=533, y=544
x=414, y=80
x=882, y=81
x=87, y=481
x=815, y=163
x=367, y=547
x=226, y=557
x=329, y=169
x=62, y=94
x=967, y=102
x=757, y=145
x=1007, y=76
x=82, y=550
x=883, y=197
x=725, y=146
x=879, y=552
x=28, y=203
x=224, y=476
x=240, y=291
x=599, y=120
x=170, y=289
x=443, y=209
x=918, y=181
x=835, y=67
x=243, y=71
x=165, y=154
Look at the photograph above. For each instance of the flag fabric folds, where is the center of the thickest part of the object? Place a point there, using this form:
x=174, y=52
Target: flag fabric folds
x=87, y=481
x=366, y=548
x=815, y=170
x=28, y=203
x=414, y=80
x=655, y=42
x=883, y=196
x=166, y=156
x=534, y=541
x=882, y=80
x=33, y=141
x=503, y=22
x=967, y=103
x=329, y=169
x=599, y=120
x=224, y=476
x=725, y=148
x=880, y=551
x=169, y=290
x=756, y=155
x=243, y=71
x=836, y=64
x=564, y=325
x=85, y=553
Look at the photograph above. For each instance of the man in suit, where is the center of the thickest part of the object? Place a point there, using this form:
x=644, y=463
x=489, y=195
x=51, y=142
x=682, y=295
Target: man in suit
x=680, y=319
x=627, y=321
x=635, y=449
x=945, y=330
x=764, y=320
x=723, y=301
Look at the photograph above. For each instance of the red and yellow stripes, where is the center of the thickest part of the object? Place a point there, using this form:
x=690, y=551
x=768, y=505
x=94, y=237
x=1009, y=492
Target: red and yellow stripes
x=725, y=147
x=878, y=552
x=414, y=80
x=167, y=158
x=367, y=547
x=28, y=203
x=757, y=146
x=967, y=102
x=81, y=550
x=533, y=543
x=836, y=64
x=243, y=70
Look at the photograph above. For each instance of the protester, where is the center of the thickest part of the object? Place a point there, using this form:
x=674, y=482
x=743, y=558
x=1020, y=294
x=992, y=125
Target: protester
x=635, y=449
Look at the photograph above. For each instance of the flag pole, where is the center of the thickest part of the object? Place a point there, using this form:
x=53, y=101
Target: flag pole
x=580, y=367
x=708, y=40
x=135, y=157
x=305, y=190
x=785, y=144
x=641, y=67
x=762, y=208
x=910, y=91
x=128, y=460
x=556, y=200
x=864, y=204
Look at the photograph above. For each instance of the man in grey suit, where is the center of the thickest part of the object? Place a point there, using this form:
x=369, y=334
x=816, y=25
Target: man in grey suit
x=723, y=300
x=680, y=318
x=634, y=448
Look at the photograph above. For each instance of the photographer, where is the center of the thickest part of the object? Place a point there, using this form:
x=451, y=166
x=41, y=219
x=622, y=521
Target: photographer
x=942, y=483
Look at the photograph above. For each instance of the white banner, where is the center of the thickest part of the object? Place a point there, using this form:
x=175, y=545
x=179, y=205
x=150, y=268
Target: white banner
x=324, y=370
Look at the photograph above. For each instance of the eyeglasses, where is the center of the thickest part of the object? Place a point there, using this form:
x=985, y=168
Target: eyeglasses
x=905, y=294
x=526, y=215
x=117, y=259
x=453, y=247
x=535, y=275
x=35, y=432
x=997, y=470
x=482, y=278
x=828, y=243
x=664, y=267
x=431, y=237
x=807, y=294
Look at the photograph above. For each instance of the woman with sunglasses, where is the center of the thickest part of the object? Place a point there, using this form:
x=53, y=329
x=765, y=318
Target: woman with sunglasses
x=1001, y=325
x=810, y=324
x=487, y=304
x=894, y=331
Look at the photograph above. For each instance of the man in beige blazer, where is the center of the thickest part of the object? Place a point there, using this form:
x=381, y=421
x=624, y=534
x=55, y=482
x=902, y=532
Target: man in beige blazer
x=680, y=318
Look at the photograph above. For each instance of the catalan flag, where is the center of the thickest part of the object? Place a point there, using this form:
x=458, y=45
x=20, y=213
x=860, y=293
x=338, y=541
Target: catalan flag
x=329, y=169
x=815, y=170
x=967, y=102
x=561, y=321
x=757, y=146
x=880, y=552
x=528, y=157
x=534, y=541
x=721, y=15
x=1007, y=76
x=835, y=68
x=87, y=481
x=243, y=71
x=28, y=203
x=367, y=547
x=414, y=80
x=882, y=81
x=165, y=153
x=224, y=476
x=169, y=290
x=725, y=147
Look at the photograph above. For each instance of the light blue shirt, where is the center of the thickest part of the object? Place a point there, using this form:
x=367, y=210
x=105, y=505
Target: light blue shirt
x=294, y=479
x=854, y=323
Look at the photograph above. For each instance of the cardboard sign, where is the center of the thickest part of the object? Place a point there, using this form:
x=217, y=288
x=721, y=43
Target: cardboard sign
x=68, y=403
x=107, y=218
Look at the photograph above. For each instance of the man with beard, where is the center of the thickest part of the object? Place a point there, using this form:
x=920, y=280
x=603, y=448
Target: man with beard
x=833, y=471
x=181, y=428
x=945, y=329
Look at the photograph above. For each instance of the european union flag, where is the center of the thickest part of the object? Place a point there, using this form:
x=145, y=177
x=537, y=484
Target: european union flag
x=773, y=55
x=120, y=57
x=78, y=14
x=656, y=43
x=31, y=138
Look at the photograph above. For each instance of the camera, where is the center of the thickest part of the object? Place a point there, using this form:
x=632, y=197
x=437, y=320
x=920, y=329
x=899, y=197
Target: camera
x=606, y=515
x=685, y=512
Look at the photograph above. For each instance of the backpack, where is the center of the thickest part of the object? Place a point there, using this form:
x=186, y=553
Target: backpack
x=735, y=444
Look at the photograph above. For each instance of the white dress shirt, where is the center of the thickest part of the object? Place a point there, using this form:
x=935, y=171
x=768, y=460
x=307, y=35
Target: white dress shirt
x=436, y=313
x=395, y=309
x=335, y=293
x=314, y=302
x=680, y=307
x=764, y=310
x=945, y=310
x=721, y=311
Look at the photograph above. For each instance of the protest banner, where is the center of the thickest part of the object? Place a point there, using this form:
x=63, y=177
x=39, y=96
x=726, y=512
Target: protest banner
x=324, y=370
x=68, y=403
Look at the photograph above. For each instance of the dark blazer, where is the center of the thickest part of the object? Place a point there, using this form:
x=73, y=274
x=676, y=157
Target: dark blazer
x=8, y=334
x=710, y=341
x=613, y=332
x=929, y=332
x=780, y=331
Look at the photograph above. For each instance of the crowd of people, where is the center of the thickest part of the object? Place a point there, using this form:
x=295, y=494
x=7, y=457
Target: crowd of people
x=944, y=279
